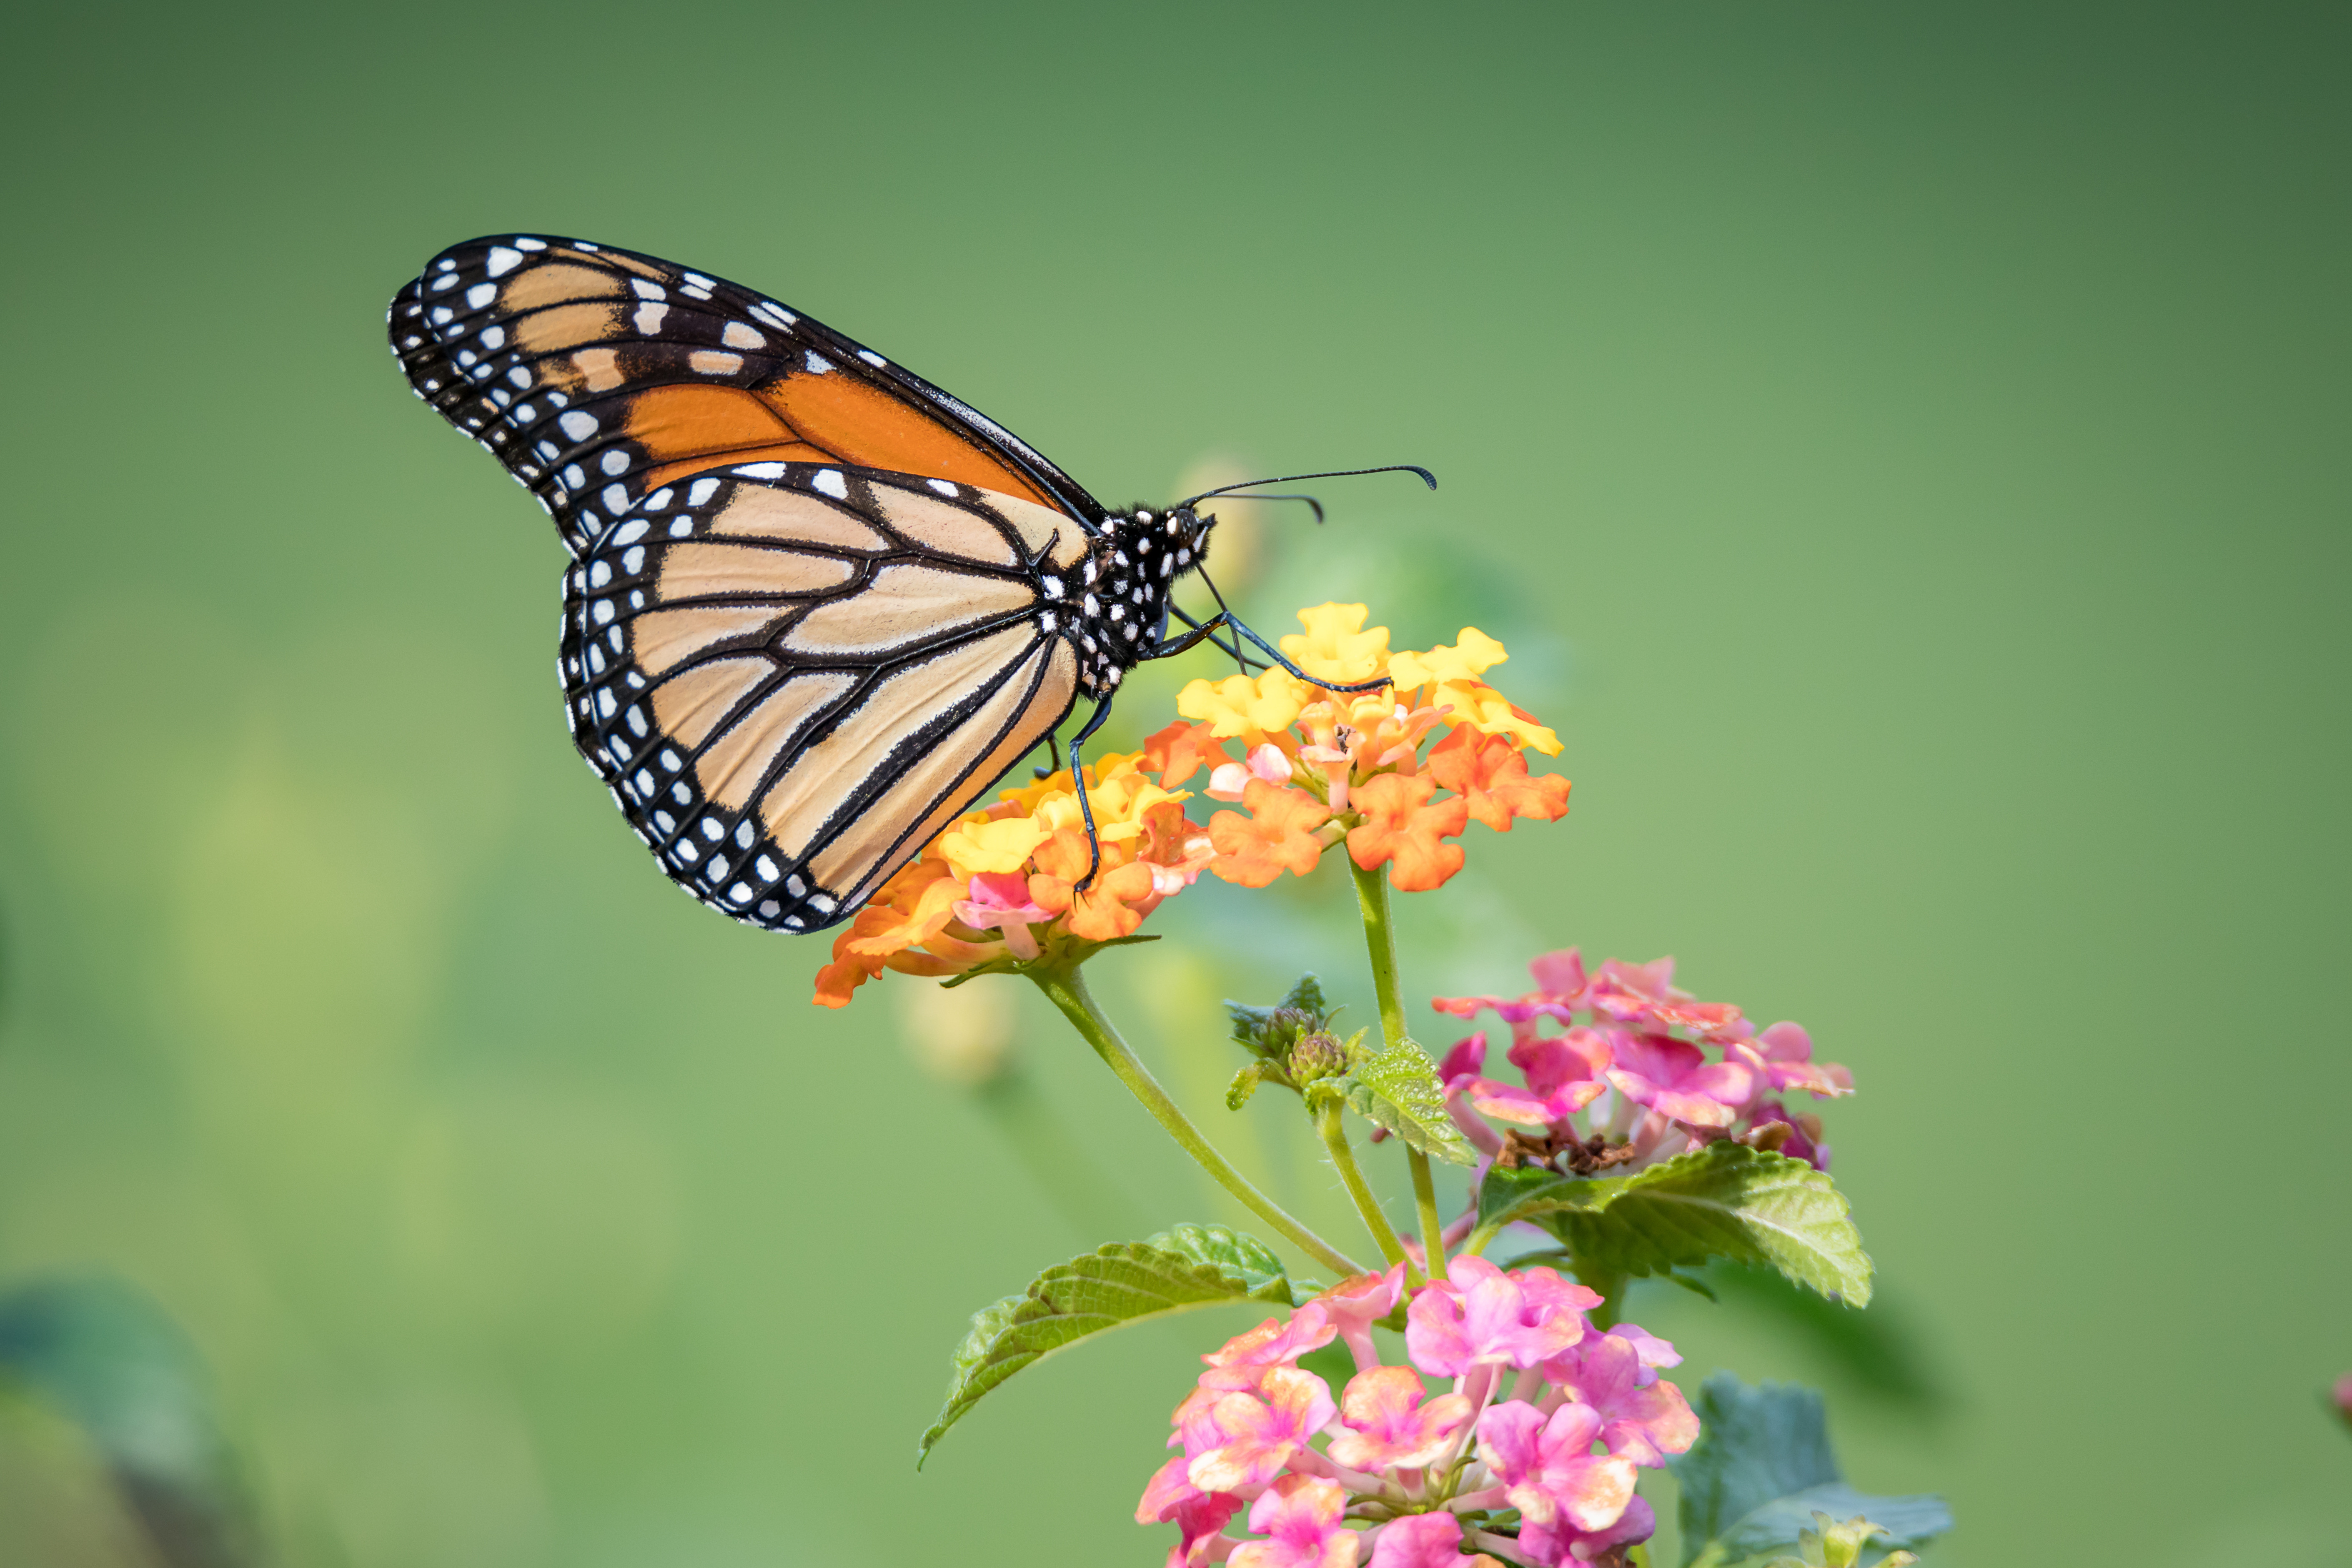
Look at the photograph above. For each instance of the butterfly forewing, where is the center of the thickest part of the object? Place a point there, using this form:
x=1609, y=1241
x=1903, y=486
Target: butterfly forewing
x=794, y=675
x=599, y=375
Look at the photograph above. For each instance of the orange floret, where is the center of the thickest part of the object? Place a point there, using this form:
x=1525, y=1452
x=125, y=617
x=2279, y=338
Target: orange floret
x=1402, y=830
x=1277, y=835
x=1488, y=773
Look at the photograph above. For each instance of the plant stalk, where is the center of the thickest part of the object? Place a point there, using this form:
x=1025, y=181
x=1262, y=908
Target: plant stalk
x=1425, y=1202
x=1379, y=941
x=1380, y=944
x=1334, y=1129
x=1066, y=988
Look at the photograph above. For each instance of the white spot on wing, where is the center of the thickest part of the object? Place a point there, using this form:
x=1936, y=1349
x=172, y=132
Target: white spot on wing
x=870, y=357
x=649, y=318
x=738, y=336
x=577, y=425
x=503, y=260
x=818, y=364
x=829, y=480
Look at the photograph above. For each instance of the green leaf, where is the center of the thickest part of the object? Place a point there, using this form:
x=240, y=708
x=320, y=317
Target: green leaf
x=1761, y=1466
x=1907, y=1521
x=1396, y=1086
x=1182, y=1269
x=1725, y=1200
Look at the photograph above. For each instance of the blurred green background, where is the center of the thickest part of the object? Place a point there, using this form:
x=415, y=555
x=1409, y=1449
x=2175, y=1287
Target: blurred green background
x=1904, y=446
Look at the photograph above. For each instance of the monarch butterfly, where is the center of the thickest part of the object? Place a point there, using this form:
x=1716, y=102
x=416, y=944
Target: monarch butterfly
x=816, y=605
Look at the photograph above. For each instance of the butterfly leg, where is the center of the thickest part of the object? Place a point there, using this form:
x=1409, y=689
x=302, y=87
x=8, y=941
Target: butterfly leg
x=1053, y=750
x=1202, y=632
x=1225, y=615
x=1204, y=629
x=1079, y=783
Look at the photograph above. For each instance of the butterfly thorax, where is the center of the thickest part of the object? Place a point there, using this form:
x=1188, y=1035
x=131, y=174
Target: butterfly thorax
x=1119, y=605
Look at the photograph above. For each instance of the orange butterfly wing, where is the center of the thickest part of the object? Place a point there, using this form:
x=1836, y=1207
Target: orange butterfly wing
x=596, y=375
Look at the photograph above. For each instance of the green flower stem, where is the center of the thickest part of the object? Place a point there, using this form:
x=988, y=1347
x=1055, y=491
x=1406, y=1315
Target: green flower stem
x=1379, y=939
x=1329, y=1124
x=1067, y=987
x=1424, y=1200
x=1380, y=943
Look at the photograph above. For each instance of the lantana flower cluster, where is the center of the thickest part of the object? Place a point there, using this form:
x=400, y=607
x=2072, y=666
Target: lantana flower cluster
x=1528, y=1453
x=1392, y=773
x=1652, y=1070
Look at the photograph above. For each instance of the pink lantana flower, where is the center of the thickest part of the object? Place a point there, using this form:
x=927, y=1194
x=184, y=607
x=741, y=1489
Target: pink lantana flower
x=1303, y=1516
x=1562, y=1452
x=1559, y=992
x=1385, y=1425
x=1423, y=1541
x=1245, y=1440
x=1459, y=1074
x=1482, y=1316
x=1199, y=1517
x=1352, y=1306
x=1266, y=761
x=1000, y=901
x=1562, y=1542
x=1787, y=1053
x=1802, y=1141
x=1563, y=1074
x=1242, y=1361
x=1466, y=1061
x=1642, y=1418
x=1674, y=1079
x=1548, y=1468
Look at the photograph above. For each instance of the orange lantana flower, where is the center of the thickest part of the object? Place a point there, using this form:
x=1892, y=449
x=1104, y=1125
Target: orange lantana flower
x=1400, y=826
x=1277, y=835
x=1307, y=767
x=1000, y=884
x=1361, y=754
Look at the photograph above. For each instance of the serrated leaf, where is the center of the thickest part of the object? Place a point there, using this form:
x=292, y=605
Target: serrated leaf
x=1725, y=1200
x=1761, y=1466
x=1396, y=1086
x=1183, y=1268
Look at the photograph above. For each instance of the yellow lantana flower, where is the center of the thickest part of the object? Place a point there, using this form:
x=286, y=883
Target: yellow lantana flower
x=1336, y=646
x=1238, y=705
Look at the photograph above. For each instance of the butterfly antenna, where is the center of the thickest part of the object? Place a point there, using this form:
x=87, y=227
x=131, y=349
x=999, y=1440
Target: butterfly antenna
x=1310, y=500
x=1426, y=478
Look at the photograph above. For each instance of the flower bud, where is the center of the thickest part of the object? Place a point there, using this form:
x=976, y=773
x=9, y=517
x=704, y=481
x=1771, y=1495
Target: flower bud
x=1317, y=1056
x=1284, y=1025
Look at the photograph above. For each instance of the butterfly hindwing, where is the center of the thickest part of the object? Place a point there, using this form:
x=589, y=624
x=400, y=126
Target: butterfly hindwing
x=794, y=675
x=598, y=376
